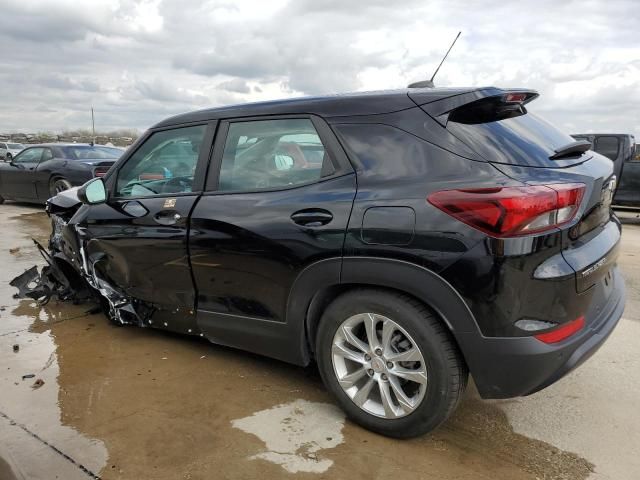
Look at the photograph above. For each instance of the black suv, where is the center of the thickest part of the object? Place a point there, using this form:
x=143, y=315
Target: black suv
x=401, y=239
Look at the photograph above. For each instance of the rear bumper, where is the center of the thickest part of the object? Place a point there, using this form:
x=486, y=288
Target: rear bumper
x=505, y=367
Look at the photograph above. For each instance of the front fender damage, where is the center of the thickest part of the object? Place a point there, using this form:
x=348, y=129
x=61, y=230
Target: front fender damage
x=70, y=274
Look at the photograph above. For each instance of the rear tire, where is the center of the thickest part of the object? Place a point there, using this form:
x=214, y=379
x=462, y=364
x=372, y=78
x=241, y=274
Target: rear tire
x=8, y=156
x=1, y=200
x=403, y=380
x=58, y=185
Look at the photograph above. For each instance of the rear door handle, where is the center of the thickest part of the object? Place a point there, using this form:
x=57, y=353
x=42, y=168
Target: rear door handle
x=312, y=217
x=167, y=217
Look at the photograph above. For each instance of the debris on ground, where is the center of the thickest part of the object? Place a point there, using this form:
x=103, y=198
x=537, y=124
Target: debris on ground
x=16, y=348
x=28, y=375
x=44, y=284
x=13, y=251
x=38, y=383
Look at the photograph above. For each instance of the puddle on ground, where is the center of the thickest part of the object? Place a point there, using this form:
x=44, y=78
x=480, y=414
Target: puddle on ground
x=295, y=433
x=125, y=402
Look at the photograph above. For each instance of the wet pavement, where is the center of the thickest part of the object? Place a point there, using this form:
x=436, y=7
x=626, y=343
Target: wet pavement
x=129, y=403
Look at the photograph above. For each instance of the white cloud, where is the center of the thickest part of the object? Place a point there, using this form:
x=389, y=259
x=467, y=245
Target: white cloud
x=137, y=61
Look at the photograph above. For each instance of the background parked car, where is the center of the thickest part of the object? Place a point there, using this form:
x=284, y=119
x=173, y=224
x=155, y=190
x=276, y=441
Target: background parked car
x=41, y=171
x=8, y=150
x=622, y=150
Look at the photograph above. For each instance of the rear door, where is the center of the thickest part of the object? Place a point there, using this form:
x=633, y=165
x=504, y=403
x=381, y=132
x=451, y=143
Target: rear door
x=19, y=177
x=278, y=199
x=138, y=238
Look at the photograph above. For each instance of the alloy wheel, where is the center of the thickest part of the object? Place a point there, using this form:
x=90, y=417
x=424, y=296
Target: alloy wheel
x=379, y=366
x=60, y=185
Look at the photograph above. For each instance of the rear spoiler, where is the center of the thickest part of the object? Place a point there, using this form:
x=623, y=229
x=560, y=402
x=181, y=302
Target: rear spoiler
x=440, y=108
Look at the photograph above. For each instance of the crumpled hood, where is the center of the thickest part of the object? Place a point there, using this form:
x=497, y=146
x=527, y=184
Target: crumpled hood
x=64, y=201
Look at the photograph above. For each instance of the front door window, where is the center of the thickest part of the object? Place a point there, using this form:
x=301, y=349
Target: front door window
x=164, y=164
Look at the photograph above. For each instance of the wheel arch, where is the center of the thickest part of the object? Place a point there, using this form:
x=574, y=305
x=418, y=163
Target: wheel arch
x=322, y=282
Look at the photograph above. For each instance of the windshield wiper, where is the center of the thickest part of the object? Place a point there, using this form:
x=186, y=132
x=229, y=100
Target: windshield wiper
x=571, y=149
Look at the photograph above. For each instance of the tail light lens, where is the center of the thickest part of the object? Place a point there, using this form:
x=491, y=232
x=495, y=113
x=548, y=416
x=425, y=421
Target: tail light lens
x=512, y=211
x=100, y=171
x=563, y=332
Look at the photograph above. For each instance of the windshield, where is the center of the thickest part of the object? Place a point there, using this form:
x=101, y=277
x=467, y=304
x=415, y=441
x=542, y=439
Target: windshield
x=87, y=152
x=15, y=146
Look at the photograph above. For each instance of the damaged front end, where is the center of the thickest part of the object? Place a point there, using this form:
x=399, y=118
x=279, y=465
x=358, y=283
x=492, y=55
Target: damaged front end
x=70, y=274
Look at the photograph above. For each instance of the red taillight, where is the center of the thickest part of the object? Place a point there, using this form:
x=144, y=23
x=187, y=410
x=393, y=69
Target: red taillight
x=563, y=332
x=100, y=171
x=512, y=211
x=515, y=97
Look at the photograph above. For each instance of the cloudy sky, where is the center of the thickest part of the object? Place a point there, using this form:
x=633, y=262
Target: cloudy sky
x=138, y=61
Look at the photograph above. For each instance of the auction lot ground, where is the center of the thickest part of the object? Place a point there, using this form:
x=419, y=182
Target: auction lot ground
x=128, y=403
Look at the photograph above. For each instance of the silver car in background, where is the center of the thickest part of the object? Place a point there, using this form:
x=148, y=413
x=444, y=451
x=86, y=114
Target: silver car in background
x=9, y=150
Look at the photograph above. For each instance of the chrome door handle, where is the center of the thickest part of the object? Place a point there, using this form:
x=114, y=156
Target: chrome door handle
x=312, y=217
x=167, y=218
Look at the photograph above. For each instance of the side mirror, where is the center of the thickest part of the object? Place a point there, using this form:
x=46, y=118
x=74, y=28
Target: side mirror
x=93, y=192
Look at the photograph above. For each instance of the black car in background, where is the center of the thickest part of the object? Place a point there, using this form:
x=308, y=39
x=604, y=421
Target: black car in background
x=41, y=171
x=621, y=149
x=401, y=239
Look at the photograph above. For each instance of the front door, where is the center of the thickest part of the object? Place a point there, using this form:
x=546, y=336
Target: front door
x=19, y=176
x=138, y=238
x=278, y=199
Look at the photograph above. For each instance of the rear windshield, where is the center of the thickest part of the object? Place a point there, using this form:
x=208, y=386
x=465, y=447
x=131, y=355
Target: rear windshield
x=515, y=137
x=82, y=152
x=15, y=146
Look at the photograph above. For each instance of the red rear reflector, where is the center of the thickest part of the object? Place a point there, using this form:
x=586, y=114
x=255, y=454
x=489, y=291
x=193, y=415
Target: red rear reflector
x=512, y=211
x=100, y=171
x=515, y=97
x=563, y=332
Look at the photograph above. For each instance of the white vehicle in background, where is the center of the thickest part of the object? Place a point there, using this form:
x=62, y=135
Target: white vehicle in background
x=9, y=150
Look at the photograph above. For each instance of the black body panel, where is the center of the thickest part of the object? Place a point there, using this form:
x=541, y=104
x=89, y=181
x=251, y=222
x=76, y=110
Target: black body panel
x=365, y=103
x=246, y=251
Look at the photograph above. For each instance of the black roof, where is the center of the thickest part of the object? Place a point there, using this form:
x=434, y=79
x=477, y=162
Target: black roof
x=348, y=104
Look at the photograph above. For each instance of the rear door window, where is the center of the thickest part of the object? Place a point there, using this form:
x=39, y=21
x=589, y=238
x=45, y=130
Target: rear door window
x=607, y=146
x=272, y=154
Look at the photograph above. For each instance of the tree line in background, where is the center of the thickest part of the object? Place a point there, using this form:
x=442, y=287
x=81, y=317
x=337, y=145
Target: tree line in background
x=119, y=138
